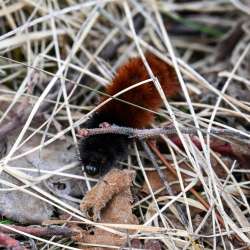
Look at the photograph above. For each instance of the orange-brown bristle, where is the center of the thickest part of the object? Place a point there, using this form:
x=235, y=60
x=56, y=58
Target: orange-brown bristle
x=145, y=95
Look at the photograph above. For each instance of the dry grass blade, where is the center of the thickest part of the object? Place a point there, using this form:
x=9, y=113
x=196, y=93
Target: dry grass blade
x=56, y=57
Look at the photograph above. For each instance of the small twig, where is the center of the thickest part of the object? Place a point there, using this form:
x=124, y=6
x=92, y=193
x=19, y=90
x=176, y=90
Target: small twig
x=147, y=133
x=10, y=243
x=40, y=231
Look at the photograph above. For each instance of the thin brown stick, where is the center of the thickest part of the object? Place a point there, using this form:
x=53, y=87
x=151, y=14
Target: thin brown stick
x=147, y=133
x=40, y=231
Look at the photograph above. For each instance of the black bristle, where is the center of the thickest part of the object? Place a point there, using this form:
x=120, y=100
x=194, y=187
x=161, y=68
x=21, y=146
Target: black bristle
x=99, y=153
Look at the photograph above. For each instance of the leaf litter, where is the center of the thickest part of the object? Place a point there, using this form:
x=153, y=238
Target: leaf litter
x=56, y=56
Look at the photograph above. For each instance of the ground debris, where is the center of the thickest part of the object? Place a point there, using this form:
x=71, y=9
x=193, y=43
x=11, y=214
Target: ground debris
x=109, y=202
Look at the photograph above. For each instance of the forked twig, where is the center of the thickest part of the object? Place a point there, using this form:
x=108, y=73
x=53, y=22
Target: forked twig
x=147, y=133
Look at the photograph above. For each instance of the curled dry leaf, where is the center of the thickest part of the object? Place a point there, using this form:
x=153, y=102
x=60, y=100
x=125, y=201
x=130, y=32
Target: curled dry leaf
x=113, y=183
x=110, y=202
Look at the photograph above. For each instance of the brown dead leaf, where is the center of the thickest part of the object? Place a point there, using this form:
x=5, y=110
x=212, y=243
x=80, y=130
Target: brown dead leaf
x=110, y=202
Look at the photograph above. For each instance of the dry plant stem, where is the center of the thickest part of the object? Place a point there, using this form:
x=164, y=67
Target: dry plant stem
x=224, y=149
x=169, y=190
x=8, y=242
x=192, y=190
x=147, y=133
x=40, y=231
